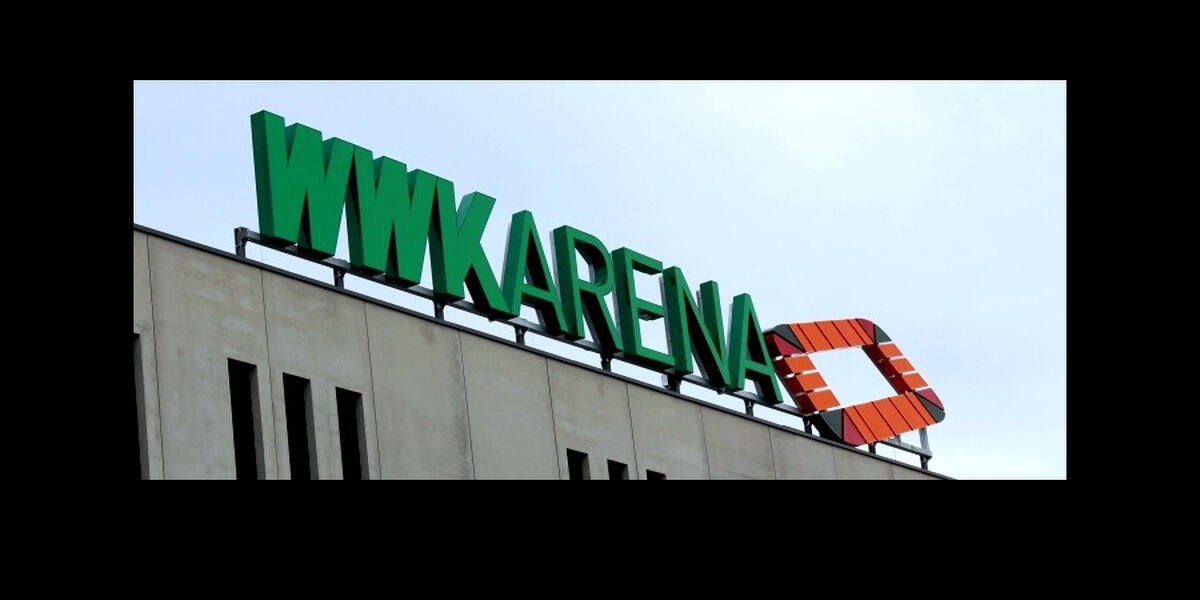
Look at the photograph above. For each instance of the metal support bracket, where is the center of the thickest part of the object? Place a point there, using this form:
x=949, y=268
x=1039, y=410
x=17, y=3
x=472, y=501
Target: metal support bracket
x=240, y=236
x=673, y=382
x=520, y=333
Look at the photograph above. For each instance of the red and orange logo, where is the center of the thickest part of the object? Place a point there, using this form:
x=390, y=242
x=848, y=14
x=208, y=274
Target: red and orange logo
x=915, y=406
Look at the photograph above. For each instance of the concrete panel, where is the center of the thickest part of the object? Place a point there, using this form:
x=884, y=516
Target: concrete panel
x=851, y=465
x=207, y=309
x=420, y=397
x=142, y=316
x=668, y=434
x=591, y=414
x=899, y=472
x=798, y=457
x=144, y=360
x=511, y=418
x=321, y=336
x=737, y=448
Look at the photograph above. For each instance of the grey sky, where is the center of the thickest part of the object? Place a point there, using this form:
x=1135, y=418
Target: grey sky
x=937, y=210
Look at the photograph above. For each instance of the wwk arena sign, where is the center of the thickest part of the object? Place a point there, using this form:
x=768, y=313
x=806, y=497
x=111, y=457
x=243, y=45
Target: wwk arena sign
x=306, y=183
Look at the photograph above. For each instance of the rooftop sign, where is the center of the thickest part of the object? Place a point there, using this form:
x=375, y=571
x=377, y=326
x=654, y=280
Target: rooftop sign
x=306, y=183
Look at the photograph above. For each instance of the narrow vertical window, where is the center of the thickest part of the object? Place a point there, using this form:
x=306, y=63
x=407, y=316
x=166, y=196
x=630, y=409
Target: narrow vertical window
x=617, y=470
x=577, y=465
x=139, y=401
x=655, y=475
x=352, y=435
x=297, y=404
x=247, y=431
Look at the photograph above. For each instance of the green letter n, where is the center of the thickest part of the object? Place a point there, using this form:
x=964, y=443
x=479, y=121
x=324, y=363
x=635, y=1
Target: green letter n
x=695, y=330
x=301, y=182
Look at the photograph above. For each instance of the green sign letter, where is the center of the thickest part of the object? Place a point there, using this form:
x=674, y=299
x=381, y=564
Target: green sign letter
x=456, y=255
x=584, y=298
x=693, y=331
x=386, y=232
x=631, y=309
x=748, y=355
x=525, y=256
x=301, y=182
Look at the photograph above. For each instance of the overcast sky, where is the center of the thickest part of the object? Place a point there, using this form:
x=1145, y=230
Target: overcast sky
x=937, y=210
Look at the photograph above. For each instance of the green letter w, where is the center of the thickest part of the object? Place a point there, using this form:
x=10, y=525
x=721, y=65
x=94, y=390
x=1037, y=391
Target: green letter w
x=301, y=182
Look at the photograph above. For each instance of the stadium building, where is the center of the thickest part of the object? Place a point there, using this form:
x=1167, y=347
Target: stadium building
x=245, y=370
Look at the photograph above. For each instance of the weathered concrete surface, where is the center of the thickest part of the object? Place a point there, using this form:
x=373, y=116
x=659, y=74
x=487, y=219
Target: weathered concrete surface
x=146, y=375
x=668, y=434
x=508, y=399
x=206, y=310
x=851, y=465
x=899, y=472
x=737, y=448
x=797, y=457
x=321, y=337
x=591, y=414
x=420, y=397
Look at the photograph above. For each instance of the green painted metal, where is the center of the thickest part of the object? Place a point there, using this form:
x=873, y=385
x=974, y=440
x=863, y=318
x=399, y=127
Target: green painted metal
x=301, y=182
x=583, y=299
x=305, y=182
x=695, y=331
x=456, y=255
x=631, y=310
x=748, y=355
x=881, y=336
x=381, y=220
x=524, y=259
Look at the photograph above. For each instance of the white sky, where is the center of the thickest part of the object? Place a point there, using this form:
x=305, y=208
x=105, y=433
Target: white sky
x=937, y=210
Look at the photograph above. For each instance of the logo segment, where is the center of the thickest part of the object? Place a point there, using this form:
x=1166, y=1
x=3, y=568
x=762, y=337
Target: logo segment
x=914, y=406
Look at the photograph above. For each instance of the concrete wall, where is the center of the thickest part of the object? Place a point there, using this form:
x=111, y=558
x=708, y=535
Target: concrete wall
x=145, y=362
x=420, y=397
x=592, y=415
x=206, y=310
x=737, y=448
x=321, y=337
x=439, y=401
x=508, y=403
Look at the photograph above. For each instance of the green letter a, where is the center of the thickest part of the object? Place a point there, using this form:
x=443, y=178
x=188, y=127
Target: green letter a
x=748, y=355
x=525, y=256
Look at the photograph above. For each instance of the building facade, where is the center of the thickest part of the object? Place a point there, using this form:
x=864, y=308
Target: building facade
x=242, y=370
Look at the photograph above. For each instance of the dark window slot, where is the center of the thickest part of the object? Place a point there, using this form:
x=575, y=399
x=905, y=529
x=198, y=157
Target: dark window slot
x=247, y=431
x=577, y=465
x=351, y=434
x=655, y=475
x=617, y=470
x=297, y=404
